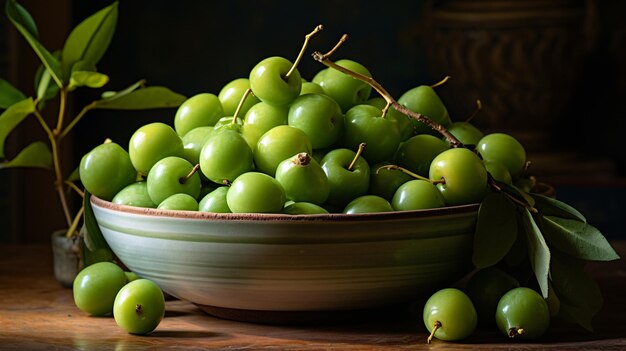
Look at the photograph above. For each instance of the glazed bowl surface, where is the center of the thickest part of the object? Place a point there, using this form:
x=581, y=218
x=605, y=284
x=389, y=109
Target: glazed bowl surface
x=286, y=263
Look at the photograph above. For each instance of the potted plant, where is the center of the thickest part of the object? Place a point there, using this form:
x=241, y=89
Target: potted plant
x=61, y=73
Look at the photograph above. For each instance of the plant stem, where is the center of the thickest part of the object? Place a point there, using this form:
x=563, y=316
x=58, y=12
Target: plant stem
x=436, y=326
x=325, y=60
x=307, y=38
x=62, y=108
x=73, y=186
x=193, y=171
x=356, y=157
x=74, y=225
x=406, y=171
x=240, y=105
x=78, y=117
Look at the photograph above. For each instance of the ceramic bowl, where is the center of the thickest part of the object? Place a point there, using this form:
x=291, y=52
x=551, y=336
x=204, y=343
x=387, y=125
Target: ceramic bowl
x=278, y=263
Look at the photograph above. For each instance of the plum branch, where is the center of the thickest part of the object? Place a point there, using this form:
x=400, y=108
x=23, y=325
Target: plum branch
x=325, y=60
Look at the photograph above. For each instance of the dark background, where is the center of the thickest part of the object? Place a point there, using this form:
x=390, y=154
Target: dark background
x=199, y=46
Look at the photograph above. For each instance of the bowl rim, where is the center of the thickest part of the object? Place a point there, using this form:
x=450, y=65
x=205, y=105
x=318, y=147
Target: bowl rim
x=263, y=217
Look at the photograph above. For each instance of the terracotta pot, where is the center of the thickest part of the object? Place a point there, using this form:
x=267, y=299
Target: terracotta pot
x=66, y=257
x=520, y=58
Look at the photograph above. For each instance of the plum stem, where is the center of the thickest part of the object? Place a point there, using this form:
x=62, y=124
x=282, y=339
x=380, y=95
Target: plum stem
x=441, y=82
x=325, y=60
x=406, y=171
x=307, y=38
x=356, y=157
x=193, y=171
x=436, y=326
x=479, y=107
x=494, y=185
x=240, y=105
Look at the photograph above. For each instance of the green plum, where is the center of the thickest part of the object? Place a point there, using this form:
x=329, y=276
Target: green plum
x=303, y=208
x=231, y=94
x=179, y=202
x=462, y=176
x=365, y=124
x=344, y=89
x=130, y=276
x=200, y=110
x=278, y=144
x=228, y=123
x=106, y=170
x=368, y=204
x=498, y=171
x=261, y=118
x=303, y=179
x=139, y=307
x=194, y=140
x=485, y=288
x=96, y=286
x=346, y=183
x=134, y=194
x=319, y=117
x=215, y=201
x=417, y=153
x=385, y=181
x=170, y=176
x=225, y=156
x=449, y=315
x=152, y=142
x=255, y=192
x=417, y=194
x=270, y=83
x=423, y=99
x=505, y=149
x=465, y=132
x=522, y=314
x=401, y=121
x=311, y=87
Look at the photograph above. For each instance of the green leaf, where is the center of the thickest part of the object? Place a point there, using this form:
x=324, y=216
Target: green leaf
x=553, y=207
x=11, y=117
x=579, y=294
x=96, y=248
x=88, y=79
x=519, y=194
x=20, y=22
x=142, y=99
x=578, y=239
x=538, y=251
x=90, y=39
x=75, y=175
x=26, y=19
x=9, y=95
x=36, y=154
x=496, y=230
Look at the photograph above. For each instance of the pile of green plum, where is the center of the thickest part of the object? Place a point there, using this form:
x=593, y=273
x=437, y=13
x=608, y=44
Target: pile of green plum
x=275, y=143
x=491, y=298
x=104, y=289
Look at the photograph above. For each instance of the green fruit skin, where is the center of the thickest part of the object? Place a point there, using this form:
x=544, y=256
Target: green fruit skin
x=454, y=310
x=164, y=179
x=152, y=142
x=130, y=276
x=417, y=194
x=384, y=182
x=498, y=171
x=179, y=202
x=345, y=185
x=311, y=88
x=368, y=204
x=465, y=132
x=278, y=144
x=193, y=141
x=139, y=307
x=523, y=308
x=215, y=201
x=341, y=87
x=259, y=119
x=485, y=288
x=365, y=124
x=417, y=153
x=106, y=170
x=200, y=110
x=400, y=120
x=225, y=156
x=303, y=179
x=96, y=286
x=267, y=81
x=423, y=99
x=303, y=208
x=255, y=192
x=464, y=174
x=504, y=149
x=319, y=117
x=135, y=194
x=230, y=95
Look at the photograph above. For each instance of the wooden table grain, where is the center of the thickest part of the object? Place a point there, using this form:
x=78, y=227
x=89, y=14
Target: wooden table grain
x=36, y=313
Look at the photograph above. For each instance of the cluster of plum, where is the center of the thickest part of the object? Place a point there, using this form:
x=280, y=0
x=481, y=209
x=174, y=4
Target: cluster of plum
x=275, y=143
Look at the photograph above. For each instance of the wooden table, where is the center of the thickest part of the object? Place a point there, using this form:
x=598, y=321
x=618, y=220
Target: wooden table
x=37, y=313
